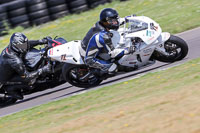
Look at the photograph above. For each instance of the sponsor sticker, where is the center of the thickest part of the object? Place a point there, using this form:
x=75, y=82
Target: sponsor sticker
x=51, y=52
x=149, y=33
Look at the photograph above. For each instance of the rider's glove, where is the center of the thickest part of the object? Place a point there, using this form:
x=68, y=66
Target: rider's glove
x=43, y=41
x=129, y=50
x=46, y=69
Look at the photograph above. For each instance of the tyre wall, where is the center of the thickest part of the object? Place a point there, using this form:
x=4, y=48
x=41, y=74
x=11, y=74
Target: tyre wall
x=57, y=8
x=77, y=6
x=17, y=14
x=27, y=13
x=37, y=11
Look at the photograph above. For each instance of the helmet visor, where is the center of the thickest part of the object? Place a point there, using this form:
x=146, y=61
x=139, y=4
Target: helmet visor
x=22, y=46
x=113, y=21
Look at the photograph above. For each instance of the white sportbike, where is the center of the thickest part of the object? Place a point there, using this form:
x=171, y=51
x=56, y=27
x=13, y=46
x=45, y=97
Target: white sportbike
x=150, y=44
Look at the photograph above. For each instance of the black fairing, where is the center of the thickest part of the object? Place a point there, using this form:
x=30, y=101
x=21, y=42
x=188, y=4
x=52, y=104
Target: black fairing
x=33, y=59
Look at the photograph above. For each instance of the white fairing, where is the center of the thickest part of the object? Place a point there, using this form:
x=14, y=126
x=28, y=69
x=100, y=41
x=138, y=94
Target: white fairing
x=164, y=37
x=151, y=37
x=68, y=52
x=147, y=30
x=148, y=35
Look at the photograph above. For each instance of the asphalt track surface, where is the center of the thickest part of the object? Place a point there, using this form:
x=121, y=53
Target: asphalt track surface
x=192, y=37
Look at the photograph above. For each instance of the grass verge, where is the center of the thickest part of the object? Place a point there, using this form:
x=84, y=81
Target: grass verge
x=165, y=101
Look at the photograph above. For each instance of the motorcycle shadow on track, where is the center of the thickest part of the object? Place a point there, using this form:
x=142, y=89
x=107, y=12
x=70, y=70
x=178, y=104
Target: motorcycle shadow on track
x=134, y=74
x=110, y=81
x=114, y=80
x=31, y=98
x=140, y=72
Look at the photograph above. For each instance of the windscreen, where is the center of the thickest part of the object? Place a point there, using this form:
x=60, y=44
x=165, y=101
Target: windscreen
x=136, y=25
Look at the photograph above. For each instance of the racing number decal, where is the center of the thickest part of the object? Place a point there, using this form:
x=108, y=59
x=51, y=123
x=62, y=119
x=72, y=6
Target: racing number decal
x=63, y=57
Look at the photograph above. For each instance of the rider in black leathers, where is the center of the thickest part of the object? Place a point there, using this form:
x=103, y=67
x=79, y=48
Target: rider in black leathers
x=97, y=48
x=13, y=73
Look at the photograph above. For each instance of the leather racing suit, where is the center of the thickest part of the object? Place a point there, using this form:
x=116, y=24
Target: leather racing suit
x=97, y=49
x=11, y=65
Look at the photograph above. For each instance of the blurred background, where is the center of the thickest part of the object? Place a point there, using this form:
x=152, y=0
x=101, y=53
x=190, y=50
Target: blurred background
x=28, y=13
x=71, y=19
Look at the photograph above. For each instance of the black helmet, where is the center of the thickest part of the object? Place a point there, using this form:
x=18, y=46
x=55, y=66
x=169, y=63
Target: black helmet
x=19, y=42
x=109, y=18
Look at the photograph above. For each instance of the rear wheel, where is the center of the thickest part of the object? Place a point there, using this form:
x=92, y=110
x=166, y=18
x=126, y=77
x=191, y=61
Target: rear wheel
x=176, y=48
x=74, y=75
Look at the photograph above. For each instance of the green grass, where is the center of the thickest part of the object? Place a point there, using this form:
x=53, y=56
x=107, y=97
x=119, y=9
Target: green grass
x=151, y=85
x=173, y=15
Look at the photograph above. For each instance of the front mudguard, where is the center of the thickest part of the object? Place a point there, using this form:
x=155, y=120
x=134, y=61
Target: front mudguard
x=164, y=36
x=160, y=42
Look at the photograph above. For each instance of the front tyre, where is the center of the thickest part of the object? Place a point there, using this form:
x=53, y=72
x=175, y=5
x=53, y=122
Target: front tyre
x=73, y=74
x=6, y=100
x=176, y=48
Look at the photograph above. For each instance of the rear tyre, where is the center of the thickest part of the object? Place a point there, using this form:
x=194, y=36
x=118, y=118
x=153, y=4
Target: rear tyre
x=73, y=73
x=176, y=48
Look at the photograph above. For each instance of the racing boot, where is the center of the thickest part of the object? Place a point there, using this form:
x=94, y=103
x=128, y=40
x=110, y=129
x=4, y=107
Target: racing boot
x=113, y=69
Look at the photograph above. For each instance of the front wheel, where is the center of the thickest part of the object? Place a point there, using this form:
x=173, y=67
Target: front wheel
x=176, y=48
x=74, y=74
x=6, y=100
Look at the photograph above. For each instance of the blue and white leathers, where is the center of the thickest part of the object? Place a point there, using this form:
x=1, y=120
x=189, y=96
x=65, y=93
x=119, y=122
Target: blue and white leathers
x=97, y=49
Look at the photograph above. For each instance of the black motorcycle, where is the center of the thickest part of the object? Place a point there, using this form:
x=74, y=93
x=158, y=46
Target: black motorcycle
x=34, y=60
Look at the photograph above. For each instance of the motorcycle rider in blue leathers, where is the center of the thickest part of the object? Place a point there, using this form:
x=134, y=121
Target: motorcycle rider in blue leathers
x=97, y=48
